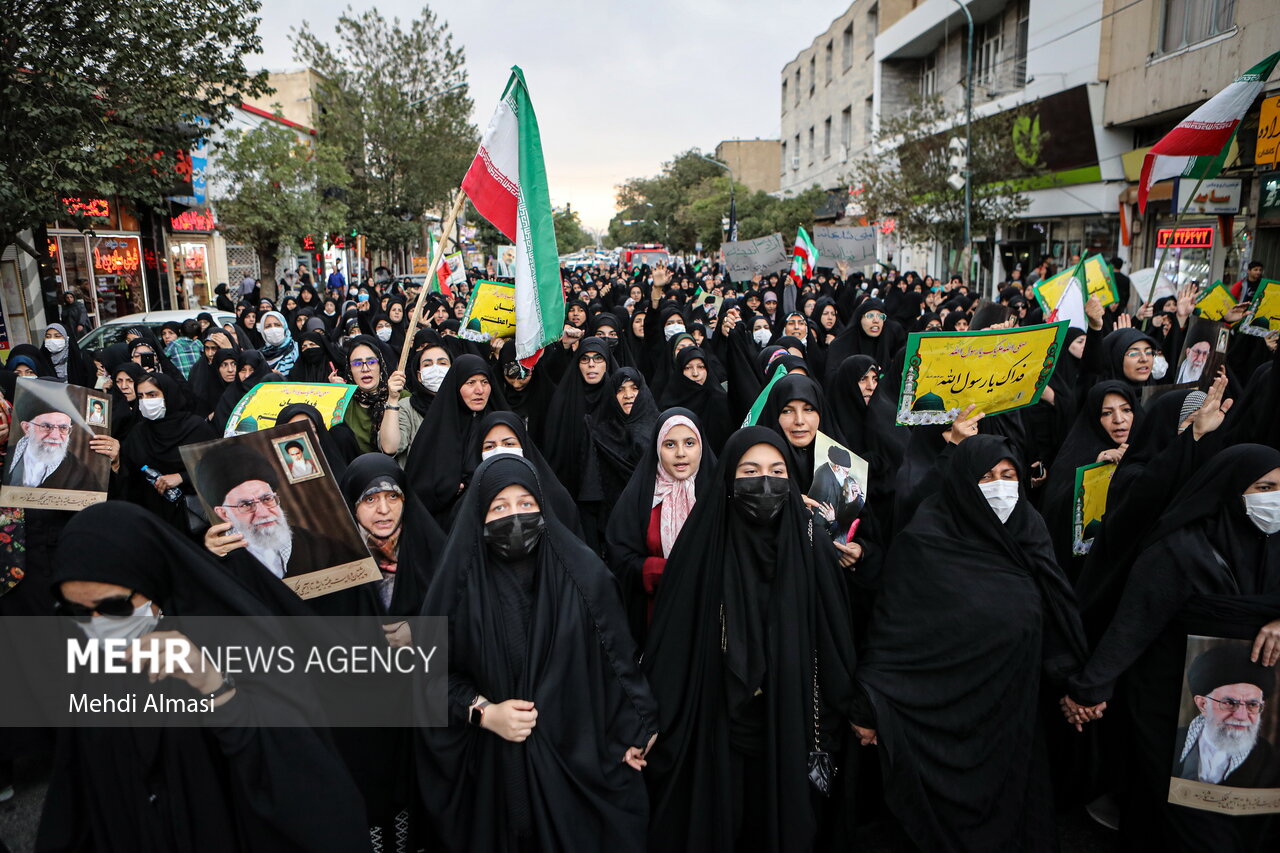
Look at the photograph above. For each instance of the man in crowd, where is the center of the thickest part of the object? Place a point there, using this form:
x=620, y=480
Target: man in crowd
x=1243, y=289
x=182, y=344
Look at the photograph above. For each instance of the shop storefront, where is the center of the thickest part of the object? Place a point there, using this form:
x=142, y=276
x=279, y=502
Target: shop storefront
x=1063, y=238
x=104, y=269
x=191, y=255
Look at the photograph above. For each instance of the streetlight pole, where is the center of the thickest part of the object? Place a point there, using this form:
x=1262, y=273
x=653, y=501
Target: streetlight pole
x=733, y=207
x=968, y=143
x=452, y=88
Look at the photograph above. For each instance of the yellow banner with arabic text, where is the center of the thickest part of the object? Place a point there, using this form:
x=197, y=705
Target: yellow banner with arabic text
x=996, y=370
x=259, y=408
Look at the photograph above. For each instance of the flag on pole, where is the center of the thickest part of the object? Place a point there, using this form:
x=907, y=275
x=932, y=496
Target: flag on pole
x=507, y=183
x=440, y=284
x=1070, y=305
x=804, y=257
x=1191, y=148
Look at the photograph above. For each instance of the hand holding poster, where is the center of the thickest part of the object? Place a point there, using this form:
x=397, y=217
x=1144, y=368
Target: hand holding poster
x=1089, y=504
x=50, y=464
x=855, y=244
x=839, y=485
x=996, y=370
x=1214, y=303
x=258, y=409
x=275, y=489
x=1263, y=317
x=491, y=312
x=764, y=255
x=1224, y=751
x=1099, y=282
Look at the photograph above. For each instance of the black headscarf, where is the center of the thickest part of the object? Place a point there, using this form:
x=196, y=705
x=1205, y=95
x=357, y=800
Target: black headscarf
x=124, y=413
x=854, y=341
x=533, y=402
x=628, y=528
x=743, y=607
x=437, y=458
x=564, y=786
x=315, y=363
x=708, y=400
x=1116, y=344
x=617, y=438
x=238, y=387
x=156, y=443
x=420, y=538
x=565, y=438
x=970, y=613
x=800, y=387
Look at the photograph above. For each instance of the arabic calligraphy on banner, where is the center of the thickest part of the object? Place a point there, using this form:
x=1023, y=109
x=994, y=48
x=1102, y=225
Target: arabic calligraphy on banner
x=998, y=370
x=1264, y=312
x=491, y=312
x=259, y=408
x=853, y=243
x=764, y=255
x=1098, y=277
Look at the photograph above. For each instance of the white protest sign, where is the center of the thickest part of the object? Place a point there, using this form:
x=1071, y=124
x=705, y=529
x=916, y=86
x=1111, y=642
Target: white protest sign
x=855, y=244
x=745, y=258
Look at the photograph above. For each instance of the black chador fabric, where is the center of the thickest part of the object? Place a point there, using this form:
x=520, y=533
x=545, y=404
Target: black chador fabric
x=566, y=510
x=420, y=540
x=1255, y=418
x=628, y=529
x=708, y=400
x=338, y=460
x=124, y=413
x=743, y=610
x=800, y=387
x=954, y=695
x=156, y=443
x=238, y=387
x=314, y=364
x=855, y=341
x=577, y=668
x=740, y=362
x=565, y=441
x=235, y=786
x=851, y=414
x=1206, y=570
x=207, y=384
x=617, y=438
x=1116, y=344
x=532, y=402
x=1088, y=437
x=621, y=345
x=436, y=467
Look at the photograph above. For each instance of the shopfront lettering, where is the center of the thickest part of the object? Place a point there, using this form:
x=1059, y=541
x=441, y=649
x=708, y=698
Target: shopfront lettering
x=192, y=220
x=116, y=257
x=1185, y=238
x=94, y=208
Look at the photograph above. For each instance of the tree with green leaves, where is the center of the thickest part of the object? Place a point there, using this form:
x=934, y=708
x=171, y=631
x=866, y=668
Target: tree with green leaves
x=393, y=103
x=903, y=175
x=570, y=235
x=98, y=98
x=278, y=189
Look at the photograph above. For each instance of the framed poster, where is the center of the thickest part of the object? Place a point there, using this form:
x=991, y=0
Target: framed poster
x=49, y=462
x=1089, y=504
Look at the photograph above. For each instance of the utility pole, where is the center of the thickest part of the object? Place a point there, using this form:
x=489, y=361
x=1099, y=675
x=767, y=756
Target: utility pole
x=968, y=146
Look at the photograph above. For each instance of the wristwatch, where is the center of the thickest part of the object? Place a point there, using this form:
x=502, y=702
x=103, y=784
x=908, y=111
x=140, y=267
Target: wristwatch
x=477, y=712
x=228, y=684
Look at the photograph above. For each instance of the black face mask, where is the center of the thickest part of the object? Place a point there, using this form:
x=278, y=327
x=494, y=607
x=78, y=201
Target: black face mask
x=311, y=355
x=515, y=536
x=612, y=342
x=760, y=499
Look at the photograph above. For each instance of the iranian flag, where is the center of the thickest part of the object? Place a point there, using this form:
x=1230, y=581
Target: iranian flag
x=1195, y=147
x=443, y=280
x=507, y=183
x=804, y=257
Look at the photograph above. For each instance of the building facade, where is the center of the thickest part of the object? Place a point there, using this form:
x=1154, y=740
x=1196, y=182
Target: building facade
x=754, y=162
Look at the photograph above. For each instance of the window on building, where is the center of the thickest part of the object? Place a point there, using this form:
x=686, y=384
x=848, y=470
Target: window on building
x=1020, y=49
x=846, y=48
x=868, y=117
x=784, y=155
x=1186, y=22
x=990, y=53
x=873, y=27
x=784, y=96
x=846, y=128
x=813, y=74
x=929, y=76
x=826, y=139
x=797, y=100
x=830, y=60
x=795, y=153
x=811, y=139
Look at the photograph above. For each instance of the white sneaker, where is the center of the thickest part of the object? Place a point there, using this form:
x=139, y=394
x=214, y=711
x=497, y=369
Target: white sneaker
x=1105, y=811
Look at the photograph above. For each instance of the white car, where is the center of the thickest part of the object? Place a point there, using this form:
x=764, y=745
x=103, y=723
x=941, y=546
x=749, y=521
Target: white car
x=113, y=331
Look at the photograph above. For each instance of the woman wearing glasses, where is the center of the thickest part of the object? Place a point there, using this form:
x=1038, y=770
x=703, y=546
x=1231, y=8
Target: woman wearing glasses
x=368, y=365
x=871, y=333
x=1210, y=567
x=165, y=423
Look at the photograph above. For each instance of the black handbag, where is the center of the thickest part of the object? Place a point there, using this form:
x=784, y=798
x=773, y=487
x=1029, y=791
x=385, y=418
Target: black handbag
x=822, y=769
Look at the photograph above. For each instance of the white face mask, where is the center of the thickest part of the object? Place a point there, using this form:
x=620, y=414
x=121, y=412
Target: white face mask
x=1263, y=510
x=432, y=375
x=673, y=330
x=152, y=408
x=55, y=344
x=101, y=627
x=1002, y=495
x=384, y=334
x=1159, y=367
x=273, y=336
x=516, y=451
x=762, y=336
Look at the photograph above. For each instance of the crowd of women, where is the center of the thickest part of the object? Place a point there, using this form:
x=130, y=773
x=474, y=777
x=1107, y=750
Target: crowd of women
x=655, y=641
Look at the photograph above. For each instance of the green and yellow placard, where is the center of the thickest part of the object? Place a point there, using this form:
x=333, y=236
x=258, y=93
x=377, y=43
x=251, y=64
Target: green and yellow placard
x=1215, y=302
x=1089, y=504
x=1263, y=317
x=997, y=370
x=258, y=408
x=491, y=312
x=1099, y=279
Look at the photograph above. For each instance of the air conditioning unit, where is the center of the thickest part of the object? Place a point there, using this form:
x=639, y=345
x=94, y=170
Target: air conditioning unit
x=844, y=153
x=795, y=162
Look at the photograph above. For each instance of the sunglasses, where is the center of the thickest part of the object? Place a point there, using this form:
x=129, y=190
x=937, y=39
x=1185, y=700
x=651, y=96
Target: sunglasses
x=116, y=607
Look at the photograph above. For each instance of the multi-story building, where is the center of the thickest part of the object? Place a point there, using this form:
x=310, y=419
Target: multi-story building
x=754, y=162
x=827, y=105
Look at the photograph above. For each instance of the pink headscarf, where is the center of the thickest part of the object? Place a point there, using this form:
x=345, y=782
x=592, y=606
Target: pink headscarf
x=676, y=496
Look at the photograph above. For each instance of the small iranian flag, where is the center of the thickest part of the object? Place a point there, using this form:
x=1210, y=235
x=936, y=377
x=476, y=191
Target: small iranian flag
x=1070, y=305
x=507, y=183
x=441, y=284
x=1194, y=149
x=803, y=258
